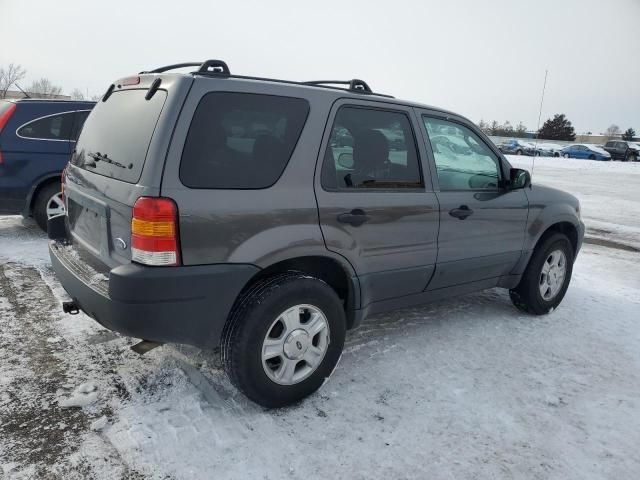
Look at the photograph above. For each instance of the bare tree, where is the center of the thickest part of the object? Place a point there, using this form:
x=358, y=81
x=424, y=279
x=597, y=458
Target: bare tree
x=76, y=94
x=612, y=132
x=44, y=88
x=95, y=98
x=8, y=76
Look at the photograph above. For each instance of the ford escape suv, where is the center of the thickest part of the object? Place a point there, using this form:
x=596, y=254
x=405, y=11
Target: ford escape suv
x=267, y=217
x=37, y=137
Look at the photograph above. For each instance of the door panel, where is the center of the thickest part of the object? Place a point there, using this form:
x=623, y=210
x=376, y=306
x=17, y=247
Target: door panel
x=482, y=225
x=381, y=218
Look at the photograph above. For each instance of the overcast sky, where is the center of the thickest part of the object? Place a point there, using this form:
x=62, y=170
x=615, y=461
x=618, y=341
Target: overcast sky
x=485, y=60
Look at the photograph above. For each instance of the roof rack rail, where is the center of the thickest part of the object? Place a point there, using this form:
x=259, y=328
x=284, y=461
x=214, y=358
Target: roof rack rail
x=355, y=85
x=209, y=66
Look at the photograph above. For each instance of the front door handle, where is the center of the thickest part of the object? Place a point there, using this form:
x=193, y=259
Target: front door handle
x=461, y=212
x=355, y=217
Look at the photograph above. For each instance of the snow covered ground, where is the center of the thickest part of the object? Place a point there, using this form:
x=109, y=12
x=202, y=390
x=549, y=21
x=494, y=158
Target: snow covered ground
x=466, y=388
x=609, y=192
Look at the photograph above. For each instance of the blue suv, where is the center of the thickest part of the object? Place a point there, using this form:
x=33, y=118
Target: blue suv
x=37, y=137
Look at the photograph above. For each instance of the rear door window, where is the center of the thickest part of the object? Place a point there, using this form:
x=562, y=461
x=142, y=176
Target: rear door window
x=371, y=148
x=116, y=136
x=51, y=127
x=241, y=140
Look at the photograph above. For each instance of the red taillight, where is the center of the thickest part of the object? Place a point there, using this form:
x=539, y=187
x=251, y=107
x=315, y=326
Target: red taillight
x=4, y=118
x=6, y=115
x=154, y=232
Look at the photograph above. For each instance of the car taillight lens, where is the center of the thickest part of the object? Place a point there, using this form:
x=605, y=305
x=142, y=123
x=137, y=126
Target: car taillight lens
x=154, y=232
x=4, y=118
x=6, y=115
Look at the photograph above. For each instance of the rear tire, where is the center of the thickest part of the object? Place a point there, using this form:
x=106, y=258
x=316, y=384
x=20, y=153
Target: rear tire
x=48, y=203
x=518, y=152
x=248, y=338
x=537, y=293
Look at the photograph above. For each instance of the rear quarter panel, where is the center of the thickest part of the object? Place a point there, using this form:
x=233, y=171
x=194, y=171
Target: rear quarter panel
x=259, y=227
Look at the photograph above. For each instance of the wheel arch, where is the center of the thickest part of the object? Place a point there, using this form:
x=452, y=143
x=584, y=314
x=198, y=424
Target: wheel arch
x=37, y=186
x=335, y=273
x=564, y=227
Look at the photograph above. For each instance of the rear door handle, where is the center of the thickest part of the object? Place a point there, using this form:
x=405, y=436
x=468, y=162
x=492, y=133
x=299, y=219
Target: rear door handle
x=461, y=212
x=355, y=217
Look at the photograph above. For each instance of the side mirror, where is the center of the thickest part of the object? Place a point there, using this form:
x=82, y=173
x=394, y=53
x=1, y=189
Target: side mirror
x=345, y=160
x=519, y=178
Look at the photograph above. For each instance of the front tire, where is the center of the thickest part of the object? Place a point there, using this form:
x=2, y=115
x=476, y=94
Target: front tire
x=546, y=279
x=632, y=158
x=283, y=338
x=48, y=204
x=566, y=155
x=518, y=152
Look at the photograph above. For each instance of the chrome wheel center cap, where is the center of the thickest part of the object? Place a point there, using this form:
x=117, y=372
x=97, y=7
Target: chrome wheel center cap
x=296, y=344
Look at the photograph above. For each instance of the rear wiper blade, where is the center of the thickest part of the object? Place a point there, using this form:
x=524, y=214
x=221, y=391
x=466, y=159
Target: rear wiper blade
x=99, y=157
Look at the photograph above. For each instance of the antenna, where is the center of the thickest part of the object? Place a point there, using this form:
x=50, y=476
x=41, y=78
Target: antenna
x=535, y=145
x=26, y=95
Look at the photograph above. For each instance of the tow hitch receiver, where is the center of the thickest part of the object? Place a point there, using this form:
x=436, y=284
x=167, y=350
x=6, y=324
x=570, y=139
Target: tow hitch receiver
x=71, y=308
x=145, y=346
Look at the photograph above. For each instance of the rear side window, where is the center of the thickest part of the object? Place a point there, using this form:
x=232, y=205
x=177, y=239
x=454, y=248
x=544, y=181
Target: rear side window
x=78, y=122
x=371, y=148
x=52, y=127
x=116, y=135
x=241, y=140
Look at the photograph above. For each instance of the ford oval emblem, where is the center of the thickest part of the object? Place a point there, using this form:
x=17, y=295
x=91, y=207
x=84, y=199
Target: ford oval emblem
x=121, y=244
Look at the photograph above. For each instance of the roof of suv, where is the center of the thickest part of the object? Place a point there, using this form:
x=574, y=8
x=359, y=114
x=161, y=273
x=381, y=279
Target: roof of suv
x=355, y=88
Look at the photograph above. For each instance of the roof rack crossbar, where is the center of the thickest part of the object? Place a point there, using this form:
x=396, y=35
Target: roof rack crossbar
x=354, y=85
x=210, y=66
x=173, y=67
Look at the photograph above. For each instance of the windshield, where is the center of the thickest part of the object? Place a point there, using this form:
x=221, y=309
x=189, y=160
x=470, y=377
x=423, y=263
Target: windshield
x=117, y=133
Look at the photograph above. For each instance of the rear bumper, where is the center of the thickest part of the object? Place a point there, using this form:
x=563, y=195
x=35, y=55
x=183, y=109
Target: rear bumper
x=164, y=304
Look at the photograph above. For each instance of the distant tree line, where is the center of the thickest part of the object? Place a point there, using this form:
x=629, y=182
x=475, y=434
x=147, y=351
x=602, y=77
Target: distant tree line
x=557, y=128
x=503, y=129
x=12, y=74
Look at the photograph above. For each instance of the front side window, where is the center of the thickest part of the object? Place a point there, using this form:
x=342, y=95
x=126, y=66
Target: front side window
x=371, y=149
x=241, y=140
x=54, y=127
x=463, y=160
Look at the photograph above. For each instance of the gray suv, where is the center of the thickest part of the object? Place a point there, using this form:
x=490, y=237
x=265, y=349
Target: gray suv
x=268, y=217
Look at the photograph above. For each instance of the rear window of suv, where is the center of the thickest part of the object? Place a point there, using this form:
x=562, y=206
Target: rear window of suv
x=241, y=140
x=116, y=135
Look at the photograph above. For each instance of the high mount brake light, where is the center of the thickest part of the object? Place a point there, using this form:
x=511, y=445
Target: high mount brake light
x=154, y=232
x=129, y=81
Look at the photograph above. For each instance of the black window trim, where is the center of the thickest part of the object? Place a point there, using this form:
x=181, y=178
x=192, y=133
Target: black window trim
x=47, y=116
x=284, y=168
x=386, y=108
x=502, y=162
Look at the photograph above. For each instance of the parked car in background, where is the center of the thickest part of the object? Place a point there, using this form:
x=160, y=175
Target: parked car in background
x=516, y=147
x=585, y=151
x=187, y=224
x=37, y=137
x=623, y=150
x=548, y=149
